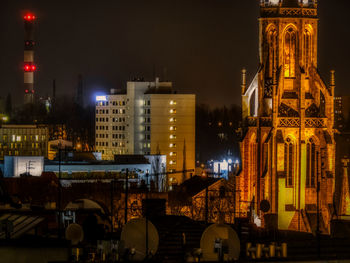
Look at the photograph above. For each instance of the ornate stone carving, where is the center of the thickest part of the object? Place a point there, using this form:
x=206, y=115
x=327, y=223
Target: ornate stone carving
x=289, y=122
x=288, y=12
x=313, y=111
x=286, y=111
x=315, y=123
x=268, y=88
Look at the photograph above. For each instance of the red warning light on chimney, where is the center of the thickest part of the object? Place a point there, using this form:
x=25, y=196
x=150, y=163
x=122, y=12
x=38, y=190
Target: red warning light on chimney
x=29, y=17
x=29, y=68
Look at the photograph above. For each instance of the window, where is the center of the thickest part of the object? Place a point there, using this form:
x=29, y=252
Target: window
x=289, y=162
x=173, y=154
x=272, y=44
x=172, y=102
x=172, y=145
x=172, y=128
x=172, y=136
x=289, y=52
x=172, y=119
x=13, y=138
x=18, y=139
x=311, y=164
x=307, y=49
x=172, y=111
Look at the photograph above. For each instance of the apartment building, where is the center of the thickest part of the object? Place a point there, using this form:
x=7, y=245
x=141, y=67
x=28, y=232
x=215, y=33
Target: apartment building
x=148, y=118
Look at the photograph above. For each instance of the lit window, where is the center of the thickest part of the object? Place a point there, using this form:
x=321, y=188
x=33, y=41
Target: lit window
x=18, y=139
x=172, y=102
x=172, y=128
x=13, y=138
x=172, y=145
x=172, y=136
x=37, y=137
x=172, y=119
x=172, y=154
x=289, y=162
x=172, y=162
x=172, y=111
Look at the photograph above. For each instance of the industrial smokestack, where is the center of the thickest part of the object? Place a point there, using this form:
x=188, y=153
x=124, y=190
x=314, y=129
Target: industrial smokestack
x=29, y=66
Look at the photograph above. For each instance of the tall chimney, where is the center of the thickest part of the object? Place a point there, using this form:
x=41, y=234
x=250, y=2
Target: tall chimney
x=29, y=66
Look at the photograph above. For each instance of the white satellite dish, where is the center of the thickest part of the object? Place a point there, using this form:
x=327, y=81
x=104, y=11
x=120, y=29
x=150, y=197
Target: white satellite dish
x=220, y=238
x=74, y=233
x=133, y=238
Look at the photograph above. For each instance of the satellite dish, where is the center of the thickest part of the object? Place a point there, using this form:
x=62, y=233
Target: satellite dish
x=265, y=206
x=133, y=237
x=220, y=239
x=74, y=233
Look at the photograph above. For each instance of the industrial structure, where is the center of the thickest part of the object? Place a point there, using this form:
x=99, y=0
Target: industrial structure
x=149, y=118
x=29, y=66
x=288, y=147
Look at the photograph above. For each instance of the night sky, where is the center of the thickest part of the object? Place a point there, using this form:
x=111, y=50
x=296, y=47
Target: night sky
x=202, y=44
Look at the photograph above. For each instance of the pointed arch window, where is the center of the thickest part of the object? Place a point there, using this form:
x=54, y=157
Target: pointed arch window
x=311, y=164
x=290, y=40
x=307, y=50
x=289, y=162
x=272, y=50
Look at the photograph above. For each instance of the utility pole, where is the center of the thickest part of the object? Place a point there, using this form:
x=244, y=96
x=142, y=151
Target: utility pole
x=318, y=207
x=146, y=213
x=59, y=194
x=126, y=194
x=112, y=210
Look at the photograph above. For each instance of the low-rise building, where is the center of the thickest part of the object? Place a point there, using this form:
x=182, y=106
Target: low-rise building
x=23, y=140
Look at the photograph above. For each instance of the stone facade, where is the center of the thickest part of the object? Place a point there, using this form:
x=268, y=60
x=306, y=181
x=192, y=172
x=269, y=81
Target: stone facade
x=288, y=146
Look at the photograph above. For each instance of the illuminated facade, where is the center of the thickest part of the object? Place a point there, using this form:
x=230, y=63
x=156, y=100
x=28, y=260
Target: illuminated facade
x=288, y=145
x=148, y=119
x=24, y=140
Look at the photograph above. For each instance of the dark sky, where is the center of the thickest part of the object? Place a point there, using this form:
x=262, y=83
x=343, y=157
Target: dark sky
x=203, y=44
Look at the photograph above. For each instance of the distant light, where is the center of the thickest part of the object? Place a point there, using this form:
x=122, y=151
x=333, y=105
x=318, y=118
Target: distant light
x=229, y=161
x=29, y=17
x=29, y=68
x=101, y=98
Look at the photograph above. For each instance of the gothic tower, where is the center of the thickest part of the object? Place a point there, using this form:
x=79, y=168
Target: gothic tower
x=288, y=147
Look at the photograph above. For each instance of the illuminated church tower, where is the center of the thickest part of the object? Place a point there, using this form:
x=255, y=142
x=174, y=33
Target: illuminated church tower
x=288, y=145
